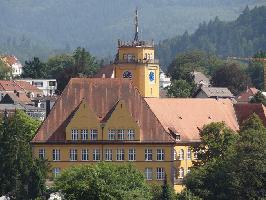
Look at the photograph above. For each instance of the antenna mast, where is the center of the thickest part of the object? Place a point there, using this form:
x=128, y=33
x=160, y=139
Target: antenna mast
x=136, y=37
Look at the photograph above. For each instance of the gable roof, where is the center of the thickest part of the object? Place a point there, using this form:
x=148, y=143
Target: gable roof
x=187, y=116
x=217, y=92
x=246, y=96
x=101, y=95
x=9, y=86
x=244, y=111
x=106, y=71
x=28, y=87
x=200, y=78
x=10, y=60
x=16, y=98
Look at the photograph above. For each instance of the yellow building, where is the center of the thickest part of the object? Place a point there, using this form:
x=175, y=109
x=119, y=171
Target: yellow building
x=117, y=120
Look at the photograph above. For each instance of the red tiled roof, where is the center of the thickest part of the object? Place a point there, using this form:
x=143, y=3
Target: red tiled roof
x=101, y=95
x=187, y=116
x=105, y=72
x=244, y=111
x=9, y=86
x=28, y=87
x=244, y=97
x=10, y=60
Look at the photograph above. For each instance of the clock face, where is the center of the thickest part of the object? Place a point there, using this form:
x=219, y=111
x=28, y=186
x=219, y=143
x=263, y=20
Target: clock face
x=127, y=74
x=151, y=76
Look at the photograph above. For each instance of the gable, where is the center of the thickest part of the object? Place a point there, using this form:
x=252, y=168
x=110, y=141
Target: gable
x=83, y=118
x=121, y=118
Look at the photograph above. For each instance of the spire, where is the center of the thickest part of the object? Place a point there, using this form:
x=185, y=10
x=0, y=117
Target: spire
x=136, y=37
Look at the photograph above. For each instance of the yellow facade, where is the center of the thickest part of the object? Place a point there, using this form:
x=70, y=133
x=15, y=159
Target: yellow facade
x=138, y=60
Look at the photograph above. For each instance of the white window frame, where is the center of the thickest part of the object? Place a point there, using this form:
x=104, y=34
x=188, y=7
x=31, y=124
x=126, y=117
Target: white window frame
x=181, y=154
x=160, y=173
x=132, y=154
x=195, y=155
x=96, y=155
x=148, y=174
x=148, y=154
x=74, y=134
x=189, y=154
x=94, y=134
x=42, y=153
x=120, y=134
x=84, y=134
x=111, y=134
x=120, y=154
x=131, y=134
x=108, y=155
x=175, y=155
x=160, y=154
x=56, y=154
x=84, y=154
x=56, y=171
x=181, y=173
x=73, y=154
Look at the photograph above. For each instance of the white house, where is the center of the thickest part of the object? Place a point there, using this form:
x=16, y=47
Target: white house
x=48, y=86
x=14, y=63
x=164, y=80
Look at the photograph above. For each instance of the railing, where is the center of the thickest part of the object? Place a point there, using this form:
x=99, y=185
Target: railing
x=140, y=61
x=135, y=43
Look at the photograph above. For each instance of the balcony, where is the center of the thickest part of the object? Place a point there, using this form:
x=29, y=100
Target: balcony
x=139, y=61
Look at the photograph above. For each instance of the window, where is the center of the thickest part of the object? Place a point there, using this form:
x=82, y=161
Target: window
x=160, y=154
x=175, y=155
x=73, y=154
x=131, y=134
x=56, y=171
x=56, y=154
x=121, y=134
x=148, y=173
x=160, y=173
x=37, y=83
x=131, y=154
x=96, y=155
x=74, y=134
x=196, y=155
x=181, y=154
x=84, y=134
x=94, y=134
x=108, y=154
x=120, y=154
x=41, y=153
x=84, y=154
x=111, y=134
x=189, y=154
x=148, y=154
x=181, y=172
x=124, y=56
x=52, y=83
x=188, y=170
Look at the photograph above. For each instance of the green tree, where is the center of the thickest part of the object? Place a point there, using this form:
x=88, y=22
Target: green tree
x=35, y=69
x=20, y=174
x=258, y=98
x=255, y=70
x=231, y=76
x=248, y=173
x=167, y=191
x=102, y=181
x=180, y=88
x=5, y=71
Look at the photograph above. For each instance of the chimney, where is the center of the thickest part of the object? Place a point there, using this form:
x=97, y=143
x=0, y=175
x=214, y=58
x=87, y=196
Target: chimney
x=103, y=76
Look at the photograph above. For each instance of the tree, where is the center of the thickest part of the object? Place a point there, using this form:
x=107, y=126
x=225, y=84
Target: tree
x=5, y=71
x=167, y=191
x=102, y=181
x=34, y=69
x=209, y=177
x=258, y=98
x=20, y=175
x=232, y=77
x=248, y=171
x=180, y=88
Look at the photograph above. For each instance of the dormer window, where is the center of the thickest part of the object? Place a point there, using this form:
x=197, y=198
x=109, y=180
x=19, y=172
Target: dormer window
x=177, y=138
x=74, y=134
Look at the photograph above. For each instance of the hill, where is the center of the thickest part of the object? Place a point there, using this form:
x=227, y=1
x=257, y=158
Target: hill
x=41, y=28
x=242, y=37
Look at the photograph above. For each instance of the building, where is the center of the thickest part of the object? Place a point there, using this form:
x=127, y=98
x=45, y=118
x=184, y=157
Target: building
x=48, y=86
x=164, y=80
x=122, y=119
x=213, y=92
x=12, y=62
x=247, y=95
x=200, y=79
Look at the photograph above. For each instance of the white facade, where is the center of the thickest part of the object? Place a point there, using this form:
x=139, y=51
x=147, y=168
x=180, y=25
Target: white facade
x=14, y=63
x=48, y=86
x=16, y=69
x=164, y=80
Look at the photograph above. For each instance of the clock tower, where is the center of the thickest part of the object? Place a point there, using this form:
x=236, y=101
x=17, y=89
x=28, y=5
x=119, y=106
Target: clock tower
x=135, y=60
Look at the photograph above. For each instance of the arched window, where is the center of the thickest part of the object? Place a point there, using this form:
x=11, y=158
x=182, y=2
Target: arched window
x=181, y=172
x=181, y=154
x=189, y=154
x=175, y=155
